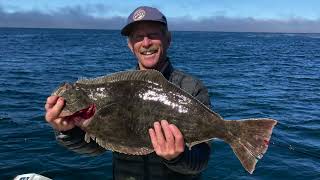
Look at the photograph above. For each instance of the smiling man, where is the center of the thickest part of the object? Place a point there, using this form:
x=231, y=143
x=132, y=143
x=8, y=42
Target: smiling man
x=149, y=42
x=148, y=39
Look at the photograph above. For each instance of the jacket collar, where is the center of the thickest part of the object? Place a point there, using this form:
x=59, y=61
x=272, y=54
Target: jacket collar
x=166, y=70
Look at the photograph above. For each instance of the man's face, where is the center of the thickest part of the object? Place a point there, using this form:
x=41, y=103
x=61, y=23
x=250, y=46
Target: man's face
x=149, y=42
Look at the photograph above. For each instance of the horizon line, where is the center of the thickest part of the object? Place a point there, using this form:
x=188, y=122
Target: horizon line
x=112, y=29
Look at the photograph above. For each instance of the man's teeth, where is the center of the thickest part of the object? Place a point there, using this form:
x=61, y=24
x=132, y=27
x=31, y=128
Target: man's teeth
x=148, y=52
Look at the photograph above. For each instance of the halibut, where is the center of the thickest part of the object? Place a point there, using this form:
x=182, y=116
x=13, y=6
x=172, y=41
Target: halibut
x=117, y=110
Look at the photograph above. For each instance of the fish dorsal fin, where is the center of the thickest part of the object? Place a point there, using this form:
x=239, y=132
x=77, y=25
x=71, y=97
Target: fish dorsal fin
x=140, y=75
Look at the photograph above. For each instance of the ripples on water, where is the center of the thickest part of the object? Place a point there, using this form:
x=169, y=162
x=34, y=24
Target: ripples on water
x=248, y=75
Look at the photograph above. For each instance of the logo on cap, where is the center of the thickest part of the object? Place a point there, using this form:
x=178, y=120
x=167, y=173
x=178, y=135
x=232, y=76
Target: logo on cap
x=139, y=14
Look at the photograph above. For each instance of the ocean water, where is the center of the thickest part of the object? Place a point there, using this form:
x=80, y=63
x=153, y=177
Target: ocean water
x=247, y=74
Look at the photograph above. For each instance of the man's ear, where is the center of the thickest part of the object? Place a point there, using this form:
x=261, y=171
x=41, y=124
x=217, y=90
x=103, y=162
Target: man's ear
x=168, y=34
x=130, y=45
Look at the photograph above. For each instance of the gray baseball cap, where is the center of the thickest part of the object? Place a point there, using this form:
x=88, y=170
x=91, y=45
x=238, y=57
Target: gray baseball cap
x=143, y=13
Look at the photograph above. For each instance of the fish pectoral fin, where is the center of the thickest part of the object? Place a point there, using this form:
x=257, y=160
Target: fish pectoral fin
x=190, y=145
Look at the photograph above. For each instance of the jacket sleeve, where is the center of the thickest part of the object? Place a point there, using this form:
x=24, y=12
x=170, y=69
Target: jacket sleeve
x=191, y=161
x=74, y=140
x=195, y=160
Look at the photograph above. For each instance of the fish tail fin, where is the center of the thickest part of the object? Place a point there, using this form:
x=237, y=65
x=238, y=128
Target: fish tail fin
x=249, y=140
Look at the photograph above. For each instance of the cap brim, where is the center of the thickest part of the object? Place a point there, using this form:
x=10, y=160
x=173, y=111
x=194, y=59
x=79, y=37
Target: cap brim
x=128, y=28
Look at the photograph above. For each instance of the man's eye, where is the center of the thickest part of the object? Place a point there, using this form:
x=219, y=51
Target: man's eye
x=153, y=35
x=138, y=37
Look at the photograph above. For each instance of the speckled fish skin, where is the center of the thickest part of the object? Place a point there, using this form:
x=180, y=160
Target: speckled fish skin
x=118, y=109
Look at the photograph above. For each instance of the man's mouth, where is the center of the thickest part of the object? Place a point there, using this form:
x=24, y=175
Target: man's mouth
x=149, y=51
x=83, y=116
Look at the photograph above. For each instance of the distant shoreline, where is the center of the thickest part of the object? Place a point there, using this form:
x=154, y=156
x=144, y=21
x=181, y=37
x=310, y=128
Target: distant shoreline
x=96, y=29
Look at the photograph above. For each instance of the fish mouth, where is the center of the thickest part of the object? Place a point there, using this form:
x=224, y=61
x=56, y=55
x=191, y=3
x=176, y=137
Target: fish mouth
x=82, y=117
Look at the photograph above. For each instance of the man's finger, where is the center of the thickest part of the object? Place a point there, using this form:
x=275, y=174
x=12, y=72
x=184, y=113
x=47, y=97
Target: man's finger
x=62, y=124
x=54, y=112
x=159, y=134
x=51, y=101
x=56, y=123
x=168, y=134
x=153, y=138
x=179, y=141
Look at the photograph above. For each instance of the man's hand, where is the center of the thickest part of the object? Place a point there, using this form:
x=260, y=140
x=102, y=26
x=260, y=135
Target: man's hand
x=167, y=140
x=54, y=106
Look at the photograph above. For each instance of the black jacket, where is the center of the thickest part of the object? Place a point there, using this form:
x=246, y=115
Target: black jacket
x=152, y=167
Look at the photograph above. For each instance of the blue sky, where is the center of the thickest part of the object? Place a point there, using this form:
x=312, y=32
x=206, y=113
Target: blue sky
x=274, y=15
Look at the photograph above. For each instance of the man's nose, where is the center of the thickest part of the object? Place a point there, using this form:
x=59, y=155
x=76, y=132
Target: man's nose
x=146, y=41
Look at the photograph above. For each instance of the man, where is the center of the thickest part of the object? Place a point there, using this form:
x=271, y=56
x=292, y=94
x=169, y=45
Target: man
x=148, y=39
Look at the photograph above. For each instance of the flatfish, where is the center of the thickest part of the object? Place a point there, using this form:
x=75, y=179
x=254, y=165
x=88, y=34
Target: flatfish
x=117, y=110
